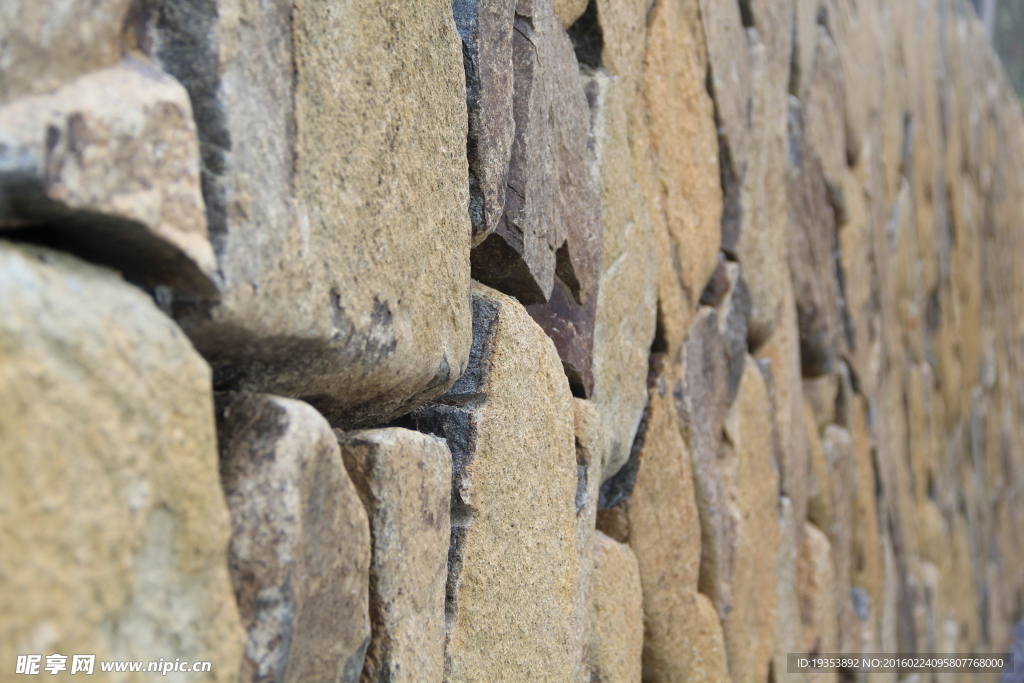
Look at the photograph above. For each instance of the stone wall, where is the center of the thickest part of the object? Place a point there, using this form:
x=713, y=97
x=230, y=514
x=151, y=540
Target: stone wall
x=508, y=340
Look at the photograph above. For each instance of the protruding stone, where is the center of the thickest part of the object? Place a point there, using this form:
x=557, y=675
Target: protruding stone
x=300, y=542
x=108, y=167
x=685, y=195
x=700, y=394
x=752, y=486
x=812, y=263
x=113, y=525
x=513, y=582
x=617, y=613
x=47, y=43
x=549, y=235
x=782, y=351
x=404, y=481
x=730, y=77
x=728, y=293
x=486, y=27
x=627, y=296
x=336, y=197
x=817, y=590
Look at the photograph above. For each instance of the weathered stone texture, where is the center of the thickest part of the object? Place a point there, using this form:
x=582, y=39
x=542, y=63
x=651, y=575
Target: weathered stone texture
x=300, y=542
x=334, y=155
x=512, y=601
x=627, y=296
x=113, y=525
x=617, y=613
x=404, y=481
x=108, y=166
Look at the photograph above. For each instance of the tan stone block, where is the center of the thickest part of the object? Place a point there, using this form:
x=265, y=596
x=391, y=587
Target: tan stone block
x=627, y=295
x=336, y=194
x=753, y=487
x=404, y=481
x=514, y=573
x=789, y=626
x=818, y=592
x=113, y=524
x=730, y=77
x=108, y=167
x=568, y=11
x=617, y=613
x=300, y=543
x=824, y=111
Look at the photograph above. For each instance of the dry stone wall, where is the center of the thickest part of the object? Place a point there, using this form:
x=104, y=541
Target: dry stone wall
x=508, y=340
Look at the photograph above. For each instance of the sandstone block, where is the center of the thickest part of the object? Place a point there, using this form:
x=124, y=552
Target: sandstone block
x=752, y=486
x=334, y=147
x=108, y=167
x=782, y=351
x=824, y=114
x=568, y=11
x=763, y=212
x=113, y=523
x=513, y=581
x=300, y=542
x=45, y=44
x=486, y=27
x=617, y=613
x=686, y=192
x=730, y=76
x=811, y=239
x=818, y=592
x=700, y=394
x=627, y=294
x=788, y=630
x=590, y=441
x=404, y=481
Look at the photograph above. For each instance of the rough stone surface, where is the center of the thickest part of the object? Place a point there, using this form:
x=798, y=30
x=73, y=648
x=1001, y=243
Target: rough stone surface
x=685, y=193
x=817, y=591
x=728, y=293
x=549, y=235
x=627, y=295
x=589, y=452
x=113, y=525
x=763, y=212
x=486, y=28
x=788, y=631
x=334, y=155
x=651, y=506
x=811, y=239
x=782, y=352
x=730, y=77
x=404, y=481
x=300, y=543
x=512, y=601
x=824, y=113
x=700, y=394
x=108, y=167
x=617, y=613
x=45, y=44
x=753, y=488
x=568, y=11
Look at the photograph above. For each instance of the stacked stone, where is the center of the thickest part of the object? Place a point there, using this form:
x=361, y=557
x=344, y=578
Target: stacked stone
x=513, y=340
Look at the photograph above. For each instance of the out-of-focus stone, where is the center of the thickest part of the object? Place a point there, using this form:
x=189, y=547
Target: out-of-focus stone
x=336, y=195
x=761, y=243
x=589, y=451
x=821, y=394
x=820, y=506
x=753, y=488
x=841, y=461
x=404, y=481
x=113, y=525
x=866, y=567
x=108, y=167
x=805, y=43
x=513, y=581
x=824, y=112
x=627, y=294
x=549, y=235
x=811, y=239
x=817, y=591
x=686, y=190
x=300, y=543
x=700, y=393
x=788, y=633
x=730, y=77
x=617, y=613
x=45, y=44
x=485, y=27
x=782, y=351
x=728, y=293
x=568, y=11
